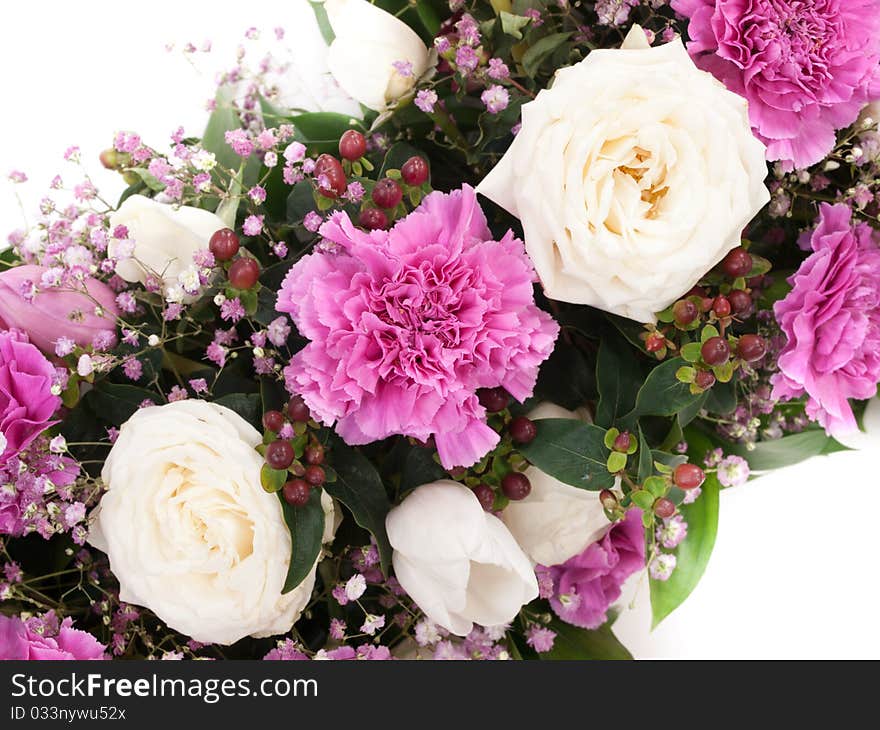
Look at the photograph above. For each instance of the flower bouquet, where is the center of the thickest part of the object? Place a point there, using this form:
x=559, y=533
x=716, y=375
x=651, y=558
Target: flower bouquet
x=460, y=371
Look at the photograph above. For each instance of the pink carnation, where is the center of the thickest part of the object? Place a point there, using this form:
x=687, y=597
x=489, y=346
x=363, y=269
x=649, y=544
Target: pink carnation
x=831, y=318
x=806, y=67
x=586, y=585
x=21, y=640
x=27, y=405
x=406, y=325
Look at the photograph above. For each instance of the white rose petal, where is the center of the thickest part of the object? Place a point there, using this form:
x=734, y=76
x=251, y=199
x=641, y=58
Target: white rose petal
x=368, y=42
x=633, y=176
x=190, y=532
x=165, y=238
x=459, y=563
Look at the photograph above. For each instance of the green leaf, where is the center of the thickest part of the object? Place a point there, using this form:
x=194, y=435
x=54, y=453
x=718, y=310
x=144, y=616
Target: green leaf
x=359, y=487
x=246, y=405
x=115, y=404
x=663, y=394
x=642, y=498
x=788, y=450
x=618, y=379
x=306, y=525
x=655, y=485
x=616, y=462
x=691, y=352
x=646, y=464
x=721, y=398
x=420, y=468
x=693, y=554
x=576, y=643
x=222, y=120
x=689, y=412
x=571, y=451
x=323, y=21
x=535, y=56
x=429, y=18
x=513, y=24
x=320, y=131
x=567, y=378
x=300, y=201
x=271, y=479
x=397, y=154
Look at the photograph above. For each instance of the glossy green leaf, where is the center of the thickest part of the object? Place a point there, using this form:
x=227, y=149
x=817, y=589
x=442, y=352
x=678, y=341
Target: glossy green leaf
x=570, y=451
x=116, y=403
x=540, y=51
x=663, y=394
x=272, y=480
x=646, y=463
x=306, y=525
x=246, y=405
x=618, y=378
x=573, y=642
x=788, y=450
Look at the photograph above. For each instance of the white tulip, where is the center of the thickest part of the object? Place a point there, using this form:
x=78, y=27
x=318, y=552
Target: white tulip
x=633, y=176
x=368, y=43
x=459, y=563
x=189, y=530
x=165, y=238
x=555, y=521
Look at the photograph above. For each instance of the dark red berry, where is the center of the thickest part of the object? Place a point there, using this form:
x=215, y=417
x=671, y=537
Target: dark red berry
x=373, y=219
x=387, y=193
x=414, y=171
x=244, y=272
x=314, y=454
x=486, y=495
x=273, y=420
x=688, y=476
x=664, y=508
x=655, y=342
x=721, y=306
x=751, y=348
x=296, y=492
x=697, y=291
x=704, y=379
x=224, y=244
x=740, y=302
x=352, y=145
x=607, y=498
x=330, y=176
x=523, y=430
x=279, y=454
x=493, y=399
x=685, y=312
x=315, y=475
x=516, y=486
x=622, y=442
x=715, y=351
x=737, y=263
x=297, y=410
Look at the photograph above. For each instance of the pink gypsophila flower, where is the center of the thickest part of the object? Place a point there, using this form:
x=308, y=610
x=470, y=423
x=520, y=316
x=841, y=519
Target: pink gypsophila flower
x=806, y=67
x=831, y=319
x=406, y=325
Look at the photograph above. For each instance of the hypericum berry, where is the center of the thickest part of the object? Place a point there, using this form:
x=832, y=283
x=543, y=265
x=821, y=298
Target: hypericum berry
x=516, y=486
x=737, y=263
x=414, y=171
x=296, y=492
x=740, y=302
x=244, y=272
x=607, y=498
x=352, y=145
x=751, y=348
x=704, y=379
x=314, y=454
x=684, y=311
x=522, y=430
x=655, y=342
x=664, y=508
x=697, y=291
x=224, y=244
x=721, y=306
x=688, y=476
x=314, y=475
x=622, y=442
x=715, y=351
x=279, y=454
x=297, y=410
x=373, y=219
x=387, y=193
x=330, y=176
x=109, y=158
x=273, y=420
x=493, y=399
x=486, y=495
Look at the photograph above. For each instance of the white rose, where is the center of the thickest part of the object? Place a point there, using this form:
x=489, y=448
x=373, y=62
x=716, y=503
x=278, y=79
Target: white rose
x=190, y=532
x=632, y=176
x=368, y=43
x=457, y=562
x=555, y=521
x=165, y=238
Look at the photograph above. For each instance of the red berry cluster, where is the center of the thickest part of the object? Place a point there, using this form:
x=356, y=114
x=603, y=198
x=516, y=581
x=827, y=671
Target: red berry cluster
x=244, y=271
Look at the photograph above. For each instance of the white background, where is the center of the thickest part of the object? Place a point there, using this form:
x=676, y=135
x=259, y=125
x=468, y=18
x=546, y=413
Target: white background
x=794, y=573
